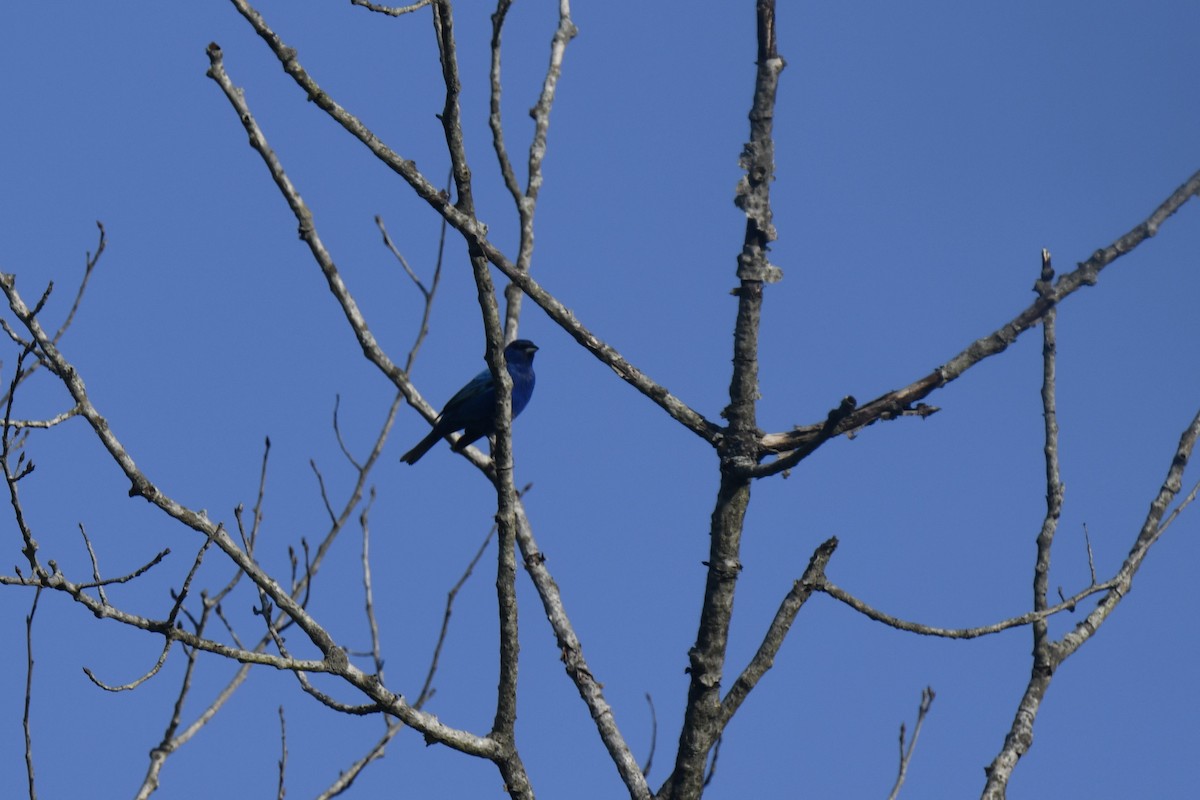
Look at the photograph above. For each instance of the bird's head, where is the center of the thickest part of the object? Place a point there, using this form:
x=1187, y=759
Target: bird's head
x=520, y=348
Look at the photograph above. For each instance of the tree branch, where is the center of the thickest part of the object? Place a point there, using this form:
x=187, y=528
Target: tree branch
x=764, y=659
x=906, y=754
x=739, y=449
x=474, y=231
x=37, y=595
x=526, y=201
x=1020, y=736
x=576, y=665
x=334, y=658
x=796, y=445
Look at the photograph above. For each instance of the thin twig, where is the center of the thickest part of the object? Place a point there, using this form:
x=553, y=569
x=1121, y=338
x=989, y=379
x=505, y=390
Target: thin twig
x=1043, y=656
x=391, y=11
x=89, y=265
x=346, y=777
x=171, y=741
x=526, y=201
x=427, y=690
x=95, y=565
x=337, y=434
x=391, y=246
x=283, y=754
x=495, y=120
x=30, y=546
x=653, y=736
x=1179, y=509
x=37, y=594
x=1087, y=540
x=927, y=696
x=1054, y=486
x=368, y=592
x=712, y=763
x=58, y=419
x=427, y=293
x=841, y=595
x=137, y=573
x=256, y=522
x=136, y=682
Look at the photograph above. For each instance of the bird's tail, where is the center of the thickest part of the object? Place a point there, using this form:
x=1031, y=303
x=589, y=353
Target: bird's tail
x=423, y=446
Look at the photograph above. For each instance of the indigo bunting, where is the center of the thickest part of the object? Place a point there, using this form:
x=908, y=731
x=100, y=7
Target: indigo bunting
x=472, y=409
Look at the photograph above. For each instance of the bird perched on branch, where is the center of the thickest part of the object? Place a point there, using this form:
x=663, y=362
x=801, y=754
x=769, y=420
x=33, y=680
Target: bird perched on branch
x=472, y=409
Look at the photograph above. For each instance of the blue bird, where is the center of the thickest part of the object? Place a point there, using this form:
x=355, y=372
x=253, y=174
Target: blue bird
x=472, y=409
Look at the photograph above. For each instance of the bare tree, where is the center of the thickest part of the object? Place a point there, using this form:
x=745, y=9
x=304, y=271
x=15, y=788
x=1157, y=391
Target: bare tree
x=288, y=635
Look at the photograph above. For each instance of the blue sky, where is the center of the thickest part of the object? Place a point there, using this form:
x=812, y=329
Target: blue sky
x=926, y=152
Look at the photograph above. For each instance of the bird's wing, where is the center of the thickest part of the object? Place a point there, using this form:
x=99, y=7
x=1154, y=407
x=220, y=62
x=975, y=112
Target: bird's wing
x=477, y=386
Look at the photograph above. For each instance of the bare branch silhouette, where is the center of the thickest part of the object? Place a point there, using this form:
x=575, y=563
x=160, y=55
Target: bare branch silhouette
x=906, y=753
x=89, y=265
x=264, y=605
x=1050, y=654
x=283, y=752
x=472, y=229
x=29, y=771
x=391, y=11
x=653, y=736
